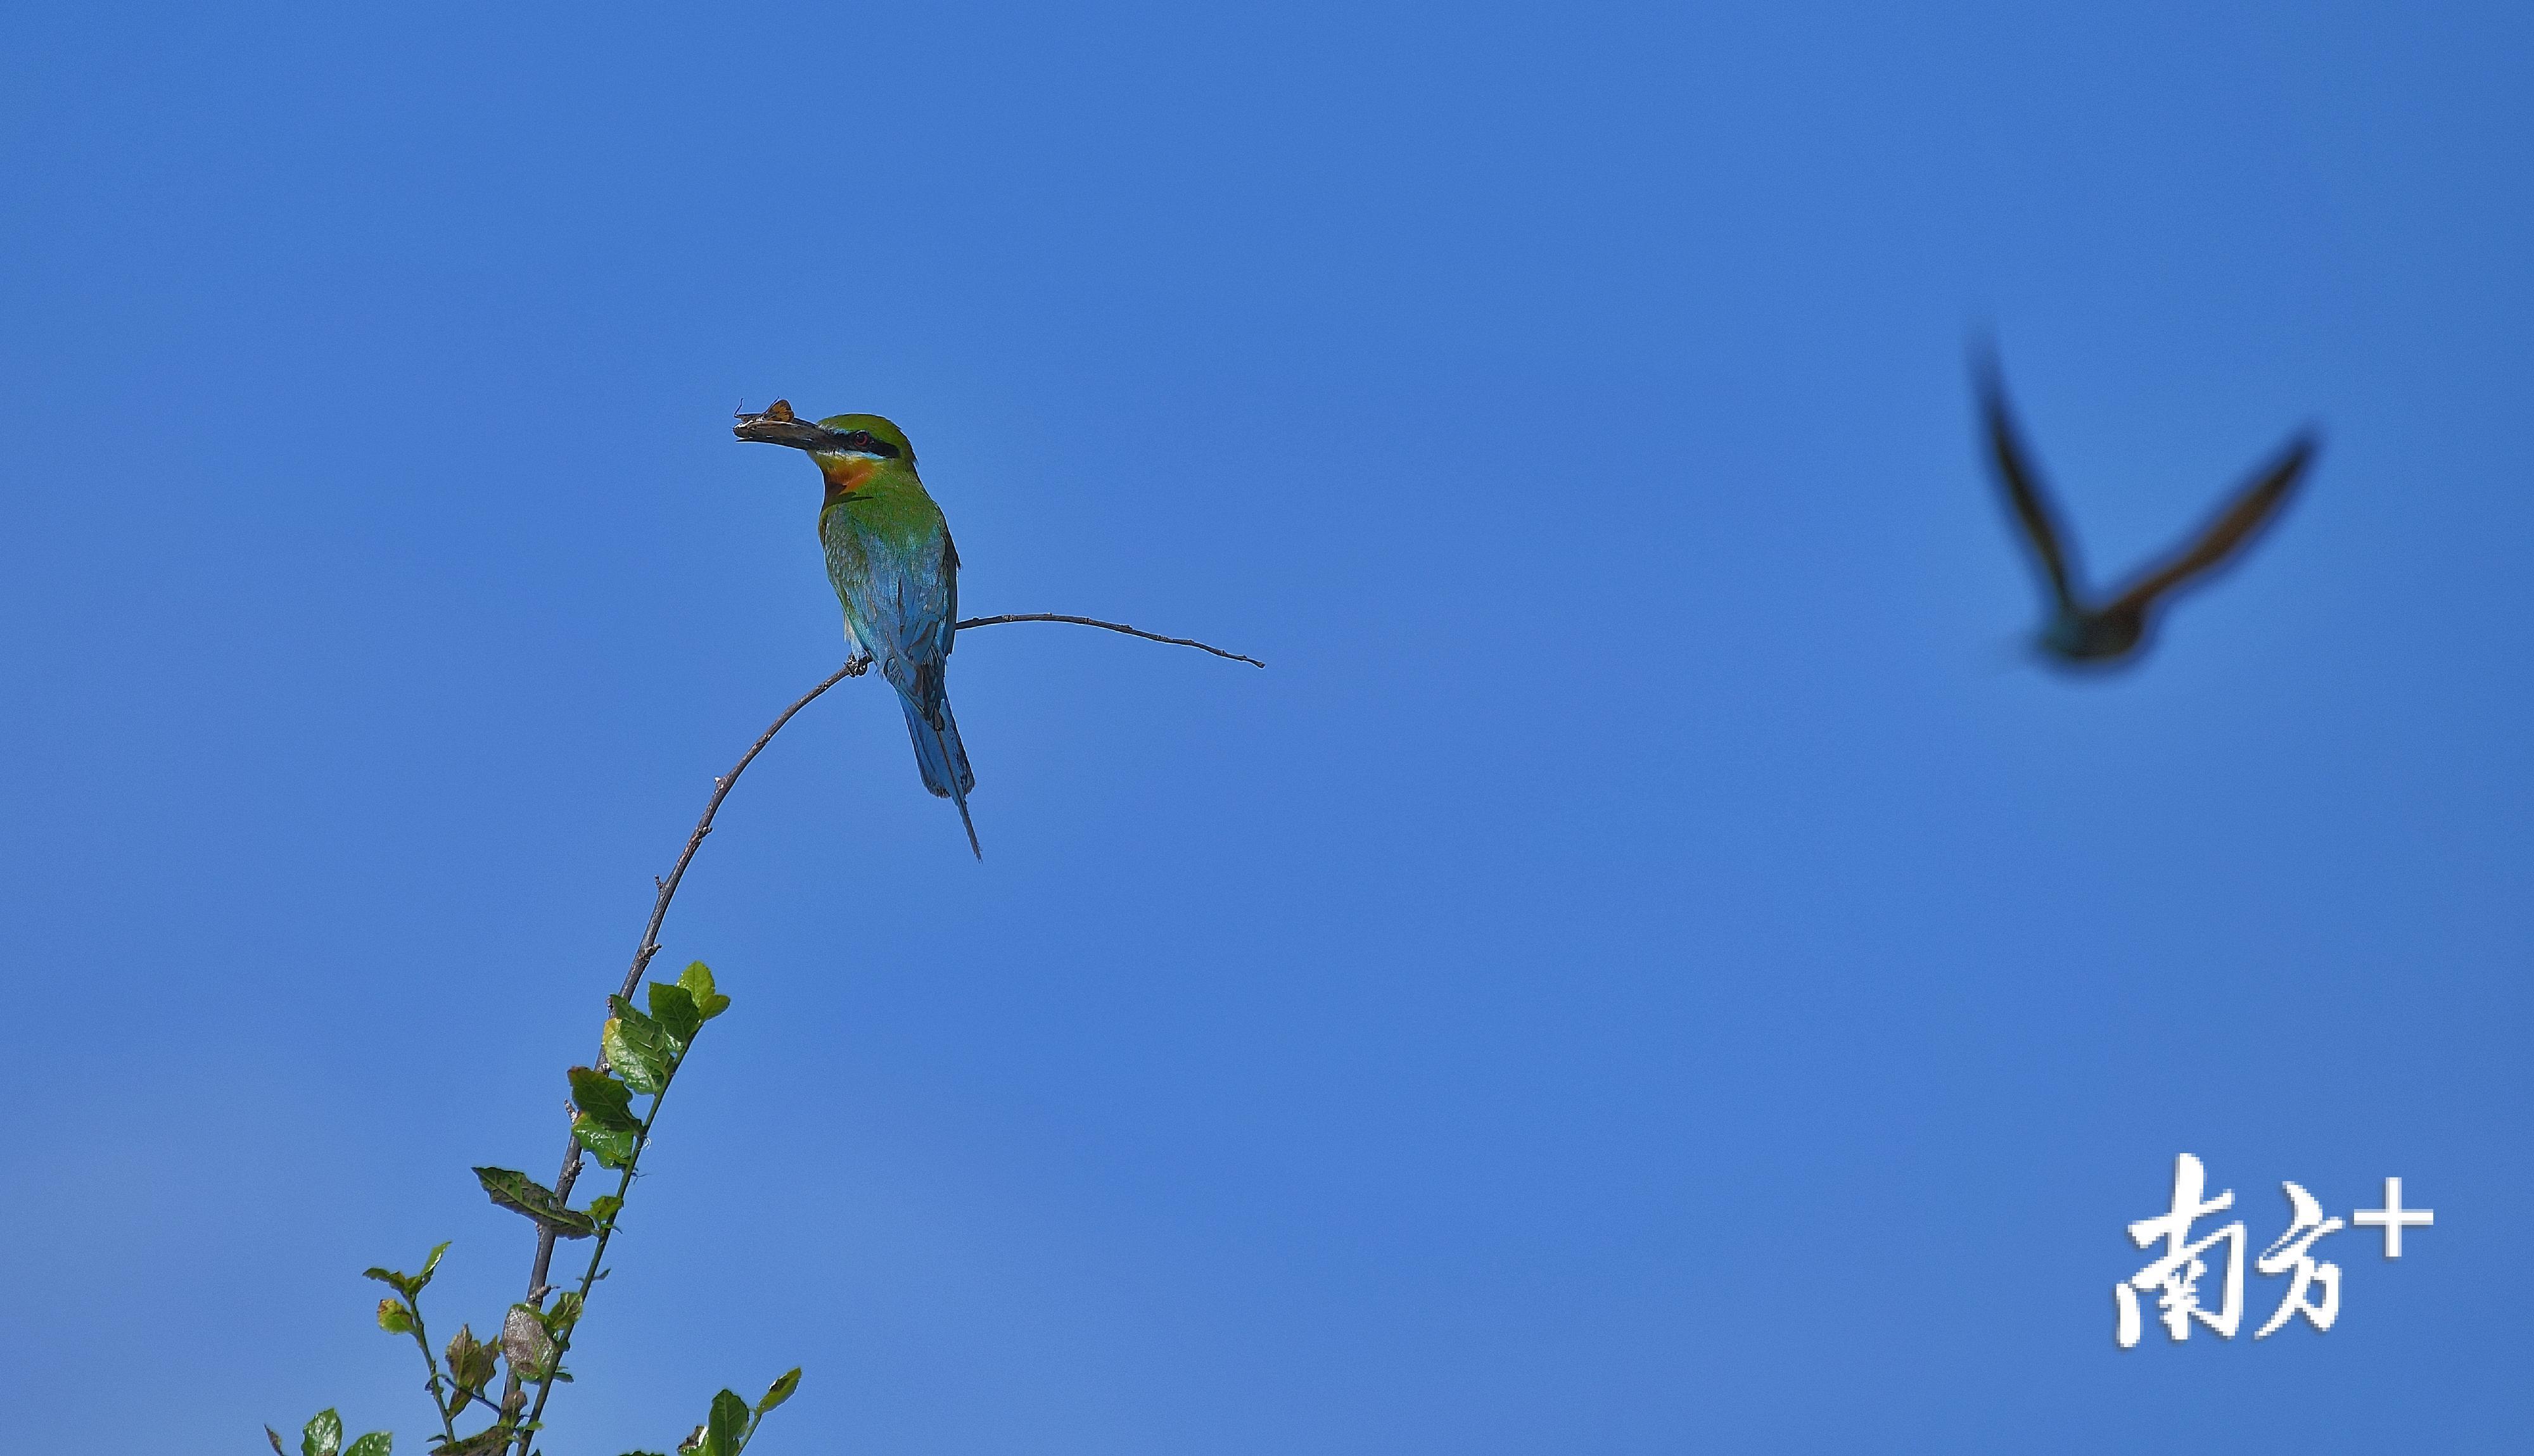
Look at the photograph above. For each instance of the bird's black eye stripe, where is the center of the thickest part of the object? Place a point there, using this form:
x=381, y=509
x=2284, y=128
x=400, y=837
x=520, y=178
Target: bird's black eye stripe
x=864, y=439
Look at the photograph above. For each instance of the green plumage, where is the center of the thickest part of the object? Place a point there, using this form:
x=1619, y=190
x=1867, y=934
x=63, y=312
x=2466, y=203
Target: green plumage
x=895, y=573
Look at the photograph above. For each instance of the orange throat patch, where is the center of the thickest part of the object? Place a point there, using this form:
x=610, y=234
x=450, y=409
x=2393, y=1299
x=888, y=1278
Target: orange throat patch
x=845, y=473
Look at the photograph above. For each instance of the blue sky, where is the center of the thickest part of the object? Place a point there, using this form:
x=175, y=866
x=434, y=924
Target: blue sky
x=1647, y=968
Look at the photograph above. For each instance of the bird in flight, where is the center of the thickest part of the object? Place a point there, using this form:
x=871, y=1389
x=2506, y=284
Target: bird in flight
x=2082, y=632
x=895, y=573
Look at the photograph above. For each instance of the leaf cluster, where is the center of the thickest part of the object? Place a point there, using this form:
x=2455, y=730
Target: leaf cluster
x=324, y=1436
x=732, y=1422
x=640, y=1055
x=458, y=1374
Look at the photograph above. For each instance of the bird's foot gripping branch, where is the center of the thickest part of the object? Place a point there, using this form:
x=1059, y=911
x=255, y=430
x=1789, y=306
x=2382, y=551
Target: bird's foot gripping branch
x=640, y=1053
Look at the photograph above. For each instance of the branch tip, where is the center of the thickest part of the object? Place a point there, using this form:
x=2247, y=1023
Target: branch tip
x=1092, y=621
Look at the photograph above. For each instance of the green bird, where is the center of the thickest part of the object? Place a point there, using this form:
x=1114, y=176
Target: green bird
x=895, y=573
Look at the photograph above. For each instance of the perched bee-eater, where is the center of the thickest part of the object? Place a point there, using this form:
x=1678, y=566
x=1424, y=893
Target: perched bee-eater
x=2083, y=633
x=894, y=570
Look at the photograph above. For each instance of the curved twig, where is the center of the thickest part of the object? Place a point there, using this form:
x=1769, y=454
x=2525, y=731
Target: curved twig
x=650, y=945
x=668, y=888
x=1090, y=621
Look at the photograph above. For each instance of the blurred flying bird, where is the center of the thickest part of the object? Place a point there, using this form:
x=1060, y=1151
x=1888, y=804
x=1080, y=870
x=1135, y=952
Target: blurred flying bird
x=895, y=571
x=2082, y=632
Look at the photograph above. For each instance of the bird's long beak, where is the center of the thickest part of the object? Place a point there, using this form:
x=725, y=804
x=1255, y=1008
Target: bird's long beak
x=776, y=425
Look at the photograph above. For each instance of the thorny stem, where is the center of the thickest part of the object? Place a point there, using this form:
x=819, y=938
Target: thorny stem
x=650, y=947
x=642, y=954
x=668, y=890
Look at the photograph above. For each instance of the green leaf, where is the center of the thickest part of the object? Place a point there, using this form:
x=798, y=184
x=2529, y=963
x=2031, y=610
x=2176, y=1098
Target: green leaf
x=394, y=1317
x=605, y=1125
x=676, y=1012
x=376, y=1443
x=604, y=1208
x=612, y=1147
x=408, y=1285
x=484, y=1443
x=324, y=1436
x=698, y=981
x=781, y=1390
x=603, y=1099
x=521, y=1193
x=726, y=1429
x=637, y=1048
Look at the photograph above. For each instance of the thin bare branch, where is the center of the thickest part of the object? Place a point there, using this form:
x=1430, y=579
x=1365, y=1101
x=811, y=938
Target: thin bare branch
x=668, y=890
x=650, y=945
x=1089, y=621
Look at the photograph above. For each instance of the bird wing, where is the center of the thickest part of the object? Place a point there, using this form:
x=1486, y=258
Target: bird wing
x=2227, y=535
x=928, y=595
x=916, y=611
x=951, y=592
x=2024, y=486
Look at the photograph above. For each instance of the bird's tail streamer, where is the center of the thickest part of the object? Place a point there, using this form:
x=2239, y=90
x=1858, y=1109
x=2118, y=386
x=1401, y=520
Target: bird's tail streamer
x=944, y=760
